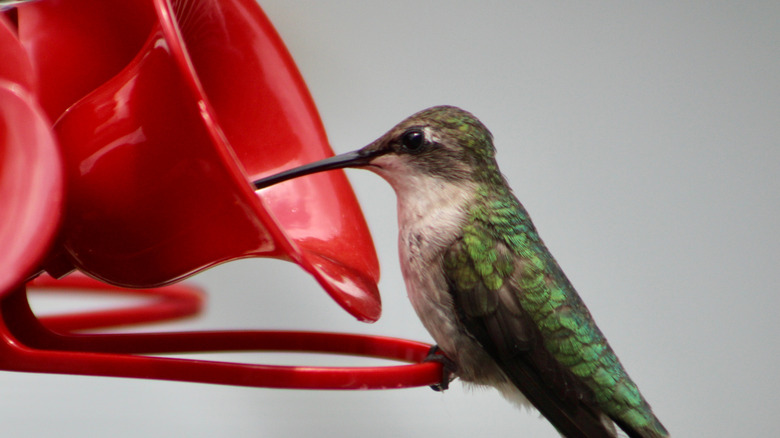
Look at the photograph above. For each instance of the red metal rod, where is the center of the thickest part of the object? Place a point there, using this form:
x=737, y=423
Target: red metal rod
x=28, y=344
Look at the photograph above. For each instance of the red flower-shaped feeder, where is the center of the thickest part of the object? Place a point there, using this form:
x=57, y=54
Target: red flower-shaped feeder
x=165, y=112
x=159, y=152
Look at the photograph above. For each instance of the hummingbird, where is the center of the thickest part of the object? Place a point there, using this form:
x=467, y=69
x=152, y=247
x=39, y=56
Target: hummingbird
x=484, y=284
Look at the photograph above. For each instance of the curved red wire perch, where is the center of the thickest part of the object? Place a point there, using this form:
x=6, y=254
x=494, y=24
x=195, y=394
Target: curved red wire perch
x=33, y=345
x=173, y=302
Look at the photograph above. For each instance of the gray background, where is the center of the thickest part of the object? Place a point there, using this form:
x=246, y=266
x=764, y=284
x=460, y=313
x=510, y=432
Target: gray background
x=643, y=139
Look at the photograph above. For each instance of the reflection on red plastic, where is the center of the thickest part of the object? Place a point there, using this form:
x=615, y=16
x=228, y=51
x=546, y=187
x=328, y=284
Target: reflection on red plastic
x=160, y=157
x=28, y=344
x=16, y=67
x=164, y=304
x=77, y=45
x=30, y=169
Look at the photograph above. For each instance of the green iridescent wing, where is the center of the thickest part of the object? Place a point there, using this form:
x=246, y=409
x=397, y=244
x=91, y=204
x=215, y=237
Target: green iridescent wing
x=514, y=299
x=491, y=313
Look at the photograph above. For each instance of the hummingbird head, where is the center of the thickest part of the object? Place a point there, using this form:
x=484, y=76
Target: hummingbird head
x=443, y=144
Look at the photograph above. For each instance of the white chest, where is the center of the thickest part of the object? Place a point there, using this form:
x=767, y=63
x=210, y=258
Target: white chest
x=428, y=224
x=431, y=215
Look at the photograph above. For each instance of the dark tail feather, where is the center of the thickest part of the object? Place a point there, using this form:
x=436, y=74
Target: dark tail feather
x=572, y=420
x=656, y=430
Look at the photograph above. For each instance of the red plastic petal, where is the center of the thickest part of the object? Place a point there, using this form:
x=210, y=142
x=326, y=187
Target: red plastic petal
x=160, y=156
x=16, y=67
x=77, y=45
x=30, y=169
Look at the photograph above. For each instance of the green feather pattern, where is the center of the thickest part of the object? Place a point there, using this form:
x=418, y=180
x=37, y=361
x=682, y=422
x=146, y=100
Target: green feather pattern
x=497, y=234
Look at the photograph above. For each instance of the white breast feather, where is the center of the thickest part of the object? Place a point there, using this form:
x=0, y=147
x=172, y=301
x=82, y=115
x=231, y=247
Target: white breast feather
x=431, y=215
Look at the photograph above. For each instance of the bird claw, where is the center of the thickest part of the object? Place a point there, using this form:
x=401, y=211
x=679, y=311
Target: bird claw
x=448, y=368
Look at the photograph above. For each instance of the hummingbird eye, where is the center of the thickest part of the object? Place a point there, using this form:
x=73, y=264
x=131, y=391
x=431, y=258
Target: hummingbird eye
x=413, y=140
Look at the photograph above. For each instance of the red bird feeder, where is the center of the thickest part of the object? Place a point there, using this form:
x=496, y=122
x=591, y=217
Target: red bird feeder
x=165, y=112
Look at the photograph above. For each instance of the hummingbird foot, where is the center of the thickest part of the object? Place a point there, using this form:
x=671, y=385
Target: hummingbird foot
x=448, y=368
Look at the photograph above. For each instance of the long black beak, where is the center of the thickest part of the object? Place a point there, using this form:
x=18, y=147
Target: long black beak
x=350, y=159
